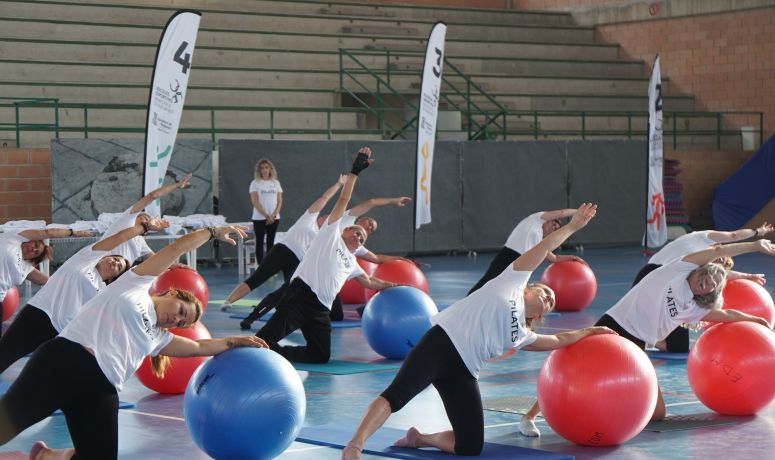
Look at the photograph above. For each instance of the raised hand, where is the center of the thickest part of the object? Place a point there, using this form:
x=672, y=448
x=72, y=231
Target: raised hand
x=765, y=247
x=402, y=201
x=764, y=229
x=362, y=161
x=583, y=215
x=183, y=183
x=224, y=233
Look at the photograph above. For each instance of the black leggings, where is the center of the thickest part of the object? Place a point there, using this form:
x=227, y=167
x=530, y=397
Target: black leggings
x=31, y=328
x=435, y=361
x=270, y=301
x=279, y=258
x=62, y=375
x=678, y=340
x=502, y=259
x=300, y=308
x=611, y=323
x=260, y=228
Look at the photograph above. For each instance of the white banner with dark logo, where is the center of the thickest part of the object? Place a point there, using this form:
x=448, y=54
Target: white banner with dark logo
x=426, y=121
x=165, y=103
x=656, y=226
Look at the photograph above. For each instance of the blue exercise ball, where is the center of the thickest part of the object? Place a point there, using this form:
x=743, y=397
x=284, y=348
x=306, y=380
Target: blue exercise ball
x=246, y=403
x=396, y=318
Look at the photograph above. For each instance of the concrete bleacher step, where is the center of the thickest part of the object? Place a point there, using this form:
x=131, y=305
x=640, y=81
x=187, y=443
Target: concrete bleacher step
x=603, y=52
x=419, y=12
x=138, y=94
x=273, y=22
x=356, y=11
x=364, y=29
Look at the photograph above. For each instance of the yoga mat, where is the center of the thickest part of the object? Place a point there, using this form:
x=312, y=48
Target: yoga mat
x=344, y=324
x=656, y=354
x=345, y=367
x=381, y=444
x=4, y=385
x=511, y=404
x=248, y=303
x=687, y=422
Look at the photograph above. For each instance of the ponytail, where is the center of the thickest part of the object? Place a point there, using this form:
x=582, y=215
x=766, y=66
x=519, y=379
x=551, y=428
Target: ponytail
x=159, y=364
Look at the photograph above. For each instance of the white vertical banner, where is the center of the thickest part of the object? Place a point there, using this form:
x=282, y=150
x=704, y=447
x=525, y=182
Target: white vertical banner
x=165, y=102
x=427, y=116
x=656, y=226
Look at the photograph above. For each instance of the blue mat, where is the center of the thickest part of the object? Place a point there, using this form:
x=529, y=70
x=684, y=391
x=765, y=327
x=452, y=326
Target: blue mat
x=656, y=354
x=344, y=324
x=346, y=367
x=4, y=385
x=381, y=444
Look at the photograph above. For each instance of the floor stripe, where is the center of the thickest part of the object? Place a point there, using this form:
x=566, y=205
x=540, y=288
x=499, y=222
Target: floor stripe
x=168, y=417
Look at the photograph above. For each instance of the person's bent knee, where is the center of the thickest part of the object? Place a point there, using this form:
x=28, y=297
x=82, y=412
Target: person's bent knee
x=319, y=356
x=469, y=448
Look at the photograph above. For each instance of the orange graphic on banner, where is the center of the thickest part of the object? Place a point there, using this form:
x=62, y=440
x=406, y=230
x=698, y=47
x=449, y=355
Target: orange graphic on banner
x=659, y=209
x=425, y=152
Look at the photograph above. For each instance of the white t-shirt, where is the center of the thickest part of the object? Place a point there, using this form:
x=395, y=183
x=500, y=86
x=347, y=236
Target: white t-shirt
x=76, y=282
x=267, y=191
x=490, y=321
x=682, y=246
x=130, y=250
x=349, y=221
x=13, y=267
x=526, y=234
x=119, y=326
x=328, y=263
x=658, y=304
x=301, y=233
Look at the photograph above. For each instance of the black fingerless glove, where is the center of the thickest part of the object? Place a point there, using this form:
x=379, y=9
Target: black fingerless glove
x=361, y=162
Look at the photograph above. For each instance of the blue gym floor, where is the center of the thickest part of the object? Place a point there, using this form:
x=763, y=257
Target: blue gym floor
x=155, y=429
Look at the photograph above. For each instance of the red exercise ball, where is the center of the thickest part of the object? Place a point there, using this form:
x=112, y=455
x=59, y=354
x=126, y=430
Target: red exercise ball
x=600, y=391
x=749, y=297
x=573, y=283
x=352, y=292
x=182, y=278
x=731, y=366
x=401, y=272
x=10, y=302
x=179, y=370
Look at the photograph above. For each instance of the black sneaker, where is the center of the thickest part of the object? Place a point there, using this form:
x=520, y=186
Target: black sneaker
x=244, y=325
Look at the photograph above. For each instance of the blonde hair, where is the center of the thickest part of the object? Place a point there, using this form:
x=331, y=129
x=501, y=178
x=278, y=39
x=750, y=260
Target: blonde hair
x=159, y=363
x=713, y=299
x=532, y=323
x=272, y=170
x=46, y=254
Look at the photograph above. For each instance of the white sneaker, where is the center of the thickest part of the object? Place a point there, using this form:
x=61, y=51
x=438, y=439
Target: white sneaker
x=528, y=428
x=226, y=306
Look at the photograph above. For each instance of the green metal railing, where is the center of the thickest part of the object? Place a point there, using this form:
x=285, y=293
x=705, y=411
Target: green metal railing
x=459, y=93
x=524, y=124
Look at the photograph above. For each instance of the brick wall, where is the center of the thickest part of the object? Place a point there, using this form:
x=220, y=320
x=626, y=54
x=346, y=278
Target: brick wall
x=450, y=3
x=701, y=172
x=554, y=4
x=25, y=184
x=726, y=60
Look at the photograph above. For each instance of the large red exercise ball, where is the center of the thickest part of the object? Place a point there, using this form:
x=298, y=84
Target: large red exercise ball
x=749, y=297
x=402, y=272
x=179, y=370
x=353, y=292
x=573, y=283
x=395, y=319
x=10, y=302
x=182, y=278
x=600, y=391
x=245, y=403
x=731, y=368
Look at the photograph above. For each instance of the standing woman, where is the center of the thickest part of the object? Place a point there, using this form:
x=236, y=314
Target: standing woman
x=81, y=370
x=266, y=195
x=489, y=322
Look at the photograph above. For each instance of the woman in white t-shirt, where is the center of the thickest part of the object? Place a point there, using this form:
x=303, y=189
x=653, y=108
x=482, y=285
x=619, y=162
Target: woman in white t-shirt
x=687, y=290
x=22, y=251
x=76, y=282
x=81, y=371
x=266, y=195
x=528, y=232
x=491, y=321
x=678, y=340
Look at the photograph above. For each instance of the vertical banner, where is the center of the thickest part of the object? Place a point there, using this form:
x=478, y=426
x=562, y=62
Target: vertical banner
x=656, y=226
x=426, y=121
x=165, y=102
